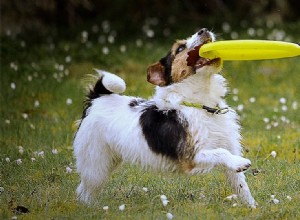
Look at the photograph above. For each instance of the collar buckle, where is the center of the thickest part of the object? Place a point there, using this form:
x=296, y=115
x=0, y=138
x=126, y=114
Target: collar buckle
x=217, y=110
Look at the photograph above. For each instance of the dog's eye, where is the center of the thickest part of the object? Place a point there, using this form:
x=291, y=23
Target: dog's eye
x=180, y=48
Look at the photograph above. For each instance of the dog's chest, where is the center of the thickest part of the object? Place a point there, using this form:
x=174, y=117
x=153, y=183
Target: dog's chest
x=209, y=131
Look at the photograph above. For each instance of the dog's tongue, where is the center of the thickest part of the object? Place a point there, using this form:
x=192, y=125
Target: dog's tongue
x=193, y=56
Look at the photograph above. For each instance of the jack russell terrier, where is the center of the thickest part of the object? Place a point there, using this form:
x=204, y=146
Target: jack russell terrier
x=186, y=127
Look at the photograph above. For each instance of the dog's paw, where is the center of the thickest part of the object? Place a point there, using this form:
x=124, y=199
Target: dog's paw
x=239, y=164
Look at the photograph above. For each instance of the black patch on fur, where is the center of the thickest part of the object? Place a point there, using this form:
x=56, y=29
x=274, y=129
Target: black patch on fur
x=97, y=91
x=136, y=102
x=167, y=63
x=164, y=132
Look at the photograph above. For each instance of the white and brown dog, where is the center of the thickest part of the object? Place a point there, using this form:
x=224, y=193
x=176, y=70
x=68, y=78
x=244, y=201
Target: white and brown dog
x=185, y=127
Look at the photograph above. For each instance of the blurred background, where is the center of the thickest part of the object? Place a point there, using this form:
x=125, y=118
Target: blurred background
x=154, y=18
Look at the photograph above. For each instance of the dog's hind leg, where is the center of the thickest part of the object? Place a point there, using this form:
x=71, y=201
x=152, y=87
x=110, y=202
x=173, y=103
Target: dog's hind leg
x=238, y=182
x=95, y=162
x=95, y=171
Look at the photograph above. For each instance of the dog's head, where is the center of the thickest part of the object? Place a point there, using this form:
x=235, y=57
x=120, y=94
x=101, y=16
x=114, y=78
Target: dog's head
x=183, y=60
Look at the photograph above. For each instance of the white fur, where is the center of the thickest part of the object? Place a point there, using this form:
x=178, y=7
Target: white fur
x=112, y=82
x=111, y=133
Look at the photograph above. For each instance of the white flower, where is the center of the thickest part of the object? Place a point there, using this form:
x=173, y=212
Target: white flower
x=284, y=108
x=234, y=204
x=41, y=154
x=105, y=50
x=54, y=151
x=273, y=154
x=25, y=115
x=68, y=59
x=69, y=101
x=163, y=197
x=84, y=36
x=266, y=120
x=14, y=217
x=13, y=86
x=21, y=150
x=1, y=189
x=14, y=66
x=252, y=99
x=7, y=121
x=122, y=207
x=19, y=161
x=282, y=100
x=105, y=208
x=233, y=196
x=7, y=159
x=240, y=107
x=235, y=91
x=145, y=189
x=289, y=198
x=275, y=201
x=295, y=105
x=139, y=43
x=235, y=98
x=36, y=103
x=32, y=126
x=268, y=127
x=33, y=159
x=123, y=48
x=169, y=215
x=165, y=202
x=111, y=39
x=275, y=124
x=68, y=169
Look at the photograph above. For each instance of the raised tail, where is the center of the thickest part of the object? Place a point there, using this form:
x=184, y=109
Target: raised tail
x=106, y=84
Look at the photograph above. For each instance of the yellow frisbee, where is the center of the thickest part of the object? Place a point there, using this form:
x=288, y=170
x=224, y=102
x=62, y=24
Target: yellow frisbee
x=249, y=50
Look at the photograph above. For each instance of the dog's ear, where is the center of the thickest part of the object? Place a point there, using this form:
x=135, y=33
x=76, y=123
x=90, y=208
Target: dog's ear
x=156, y=74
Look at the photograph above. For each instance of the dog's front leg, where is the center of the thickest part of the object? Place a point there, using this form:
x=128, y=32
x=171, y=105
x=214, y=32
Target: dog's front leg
x=208, y=159
x=238, y=182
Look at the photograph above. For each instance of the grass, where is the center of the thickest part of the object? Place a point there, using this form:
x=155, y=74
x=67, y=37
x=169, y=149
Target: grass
x=41, y=96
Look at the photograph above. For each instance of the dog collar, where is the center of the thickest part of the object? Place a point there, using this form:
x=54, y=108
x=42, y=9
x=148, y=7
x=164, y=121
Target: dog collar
x=216, y=110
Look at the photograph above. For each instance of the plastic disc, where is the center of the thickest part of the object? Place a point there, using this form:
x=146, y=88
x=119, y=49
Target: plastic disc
x=249, y=50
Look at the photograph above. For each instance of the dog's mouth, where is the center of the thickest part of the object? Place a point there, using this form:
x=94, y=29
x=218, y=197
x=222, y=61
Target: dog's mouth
x=197, y=62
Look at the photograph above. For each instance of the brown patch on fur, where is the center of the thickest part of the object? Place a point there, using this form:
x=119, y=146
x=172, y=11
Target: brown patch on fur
x=187, y=166
x=187, y=155
x=180, y=69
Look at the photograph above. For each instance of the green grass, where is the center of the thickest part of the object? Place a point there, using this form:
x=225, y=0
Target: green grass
x=48, y=191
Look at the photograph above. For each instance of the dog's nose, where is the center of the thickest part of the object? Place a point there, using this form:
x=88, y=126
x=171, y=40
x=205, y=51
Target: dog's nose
x=205, y=35
x=203, y=31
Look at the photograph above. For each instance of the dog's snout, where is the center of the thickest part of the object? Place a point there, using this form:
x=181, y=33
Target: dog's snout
x=203, y=31
x=205, y=35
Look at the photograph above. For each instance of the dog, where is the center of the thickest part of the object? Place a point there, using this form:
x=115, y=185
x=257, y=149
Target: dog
x=186, y=127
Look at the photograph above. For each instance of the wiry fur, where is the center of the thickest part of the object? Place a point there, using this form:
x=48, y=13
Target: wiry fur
x=162, y=133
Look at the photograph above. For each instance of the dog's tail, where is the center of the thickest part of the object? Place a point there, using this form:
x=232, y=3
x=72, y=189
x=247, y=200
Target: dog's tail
x=106, y=84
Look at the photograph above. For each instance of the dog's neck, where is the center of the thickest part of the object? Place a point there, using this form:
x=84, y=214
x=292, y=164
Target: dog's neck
x=206, y=90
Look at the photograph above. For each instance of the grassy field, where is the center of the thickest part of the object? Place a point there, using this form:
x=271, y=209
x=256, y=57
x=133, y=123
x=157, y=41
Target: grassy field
x=41, y=97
